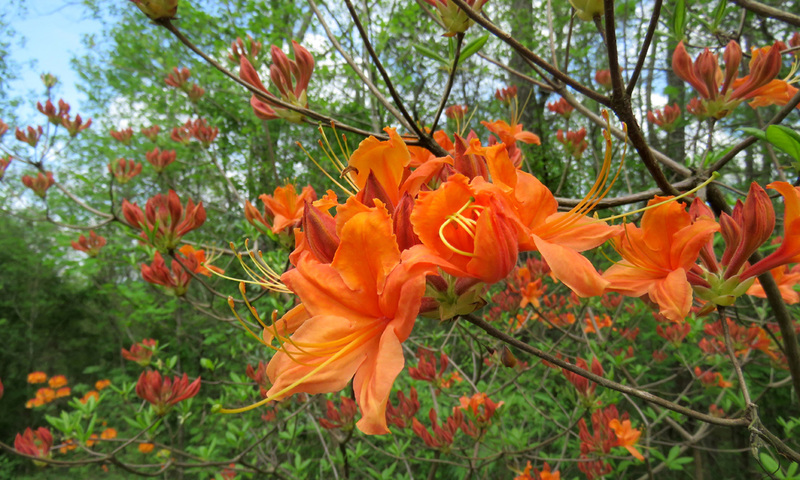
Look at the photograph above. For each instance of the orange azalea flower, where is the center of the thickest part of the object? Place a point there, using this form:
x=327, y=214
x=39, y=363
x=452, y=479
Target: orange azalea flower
x=101, y=384
x=789, y=249
x=468, y=225
x=786, y=280
x=658, y=256
x=382, y=161
x=558, y=236
x=57, y=381
x=90, y=394
x=203, y=268
x=355, y=313
x=284, y=207
x=37, y=377
x=626, y=436
x=146, y=447
x=510, y=134
x=776, y=92
x=108, y=434
x=63, y=392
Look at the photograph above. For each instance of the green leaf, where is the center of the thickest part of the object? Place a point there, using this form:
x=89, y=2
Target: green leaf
x=719, y=13
x=785, y=139
x=679, y=20
x=207, y=363
x=756, y=132
x=769, y=463
x=425, y=51
x=472, y=48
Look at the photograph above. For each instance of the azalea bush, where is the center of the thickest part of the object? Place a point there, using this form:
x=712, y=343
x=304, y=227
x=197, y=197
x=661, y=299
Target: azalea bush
x=491, y=255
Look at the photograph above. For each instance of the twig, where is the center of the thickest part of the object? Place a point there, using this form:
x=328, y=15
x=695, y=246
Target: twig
x=648, y=39
x=450, y=79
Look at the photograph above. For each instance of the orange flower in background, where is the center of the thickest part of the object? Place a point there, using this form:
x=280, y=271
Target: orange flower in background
x=146, y=447
x=283, y=210
x=200, y=255
x=626, y=436
x=786, y=279
x=37, y=377
x=545, y=474
x=101, y=384
x=108, y=434
x=141, y=352
x=356, y=312
x=90, y=394
x=63, y=392
x=164, y=393
x=510, y=134
x=57, y=381
x=90, y=245
x=658, y=256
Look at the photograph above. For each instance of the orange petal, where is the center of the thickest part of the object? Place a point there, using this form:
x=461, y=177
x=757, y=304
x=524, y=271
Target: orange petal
x=572, y=268
x=368, y=252
x=673, y=294
x=373, y=382
x=284, y=370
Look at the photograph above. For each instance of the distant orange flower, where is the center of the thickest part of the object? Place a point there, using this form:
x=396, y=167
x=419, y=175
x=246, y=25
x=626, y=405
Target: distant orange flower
x=146, y=447
x=46, y=395
x=90, y=394
x=203, y=268
x=57, y=381
x=101, y=384
x=786, y=280
x=626, y=436
x=510, y=134
x=108, y=434
x=63, y=392
x=283, y=209
x=37, y=377
x=92, y=440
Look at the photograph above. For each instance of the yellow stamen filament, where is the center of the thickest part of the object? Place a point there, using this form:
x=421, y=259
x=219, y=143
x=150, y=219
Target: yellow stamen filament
x=714, y=176
x=466, y=223
x=265, y=277
x=599, y=190
x=360, y=339
x=325, y=172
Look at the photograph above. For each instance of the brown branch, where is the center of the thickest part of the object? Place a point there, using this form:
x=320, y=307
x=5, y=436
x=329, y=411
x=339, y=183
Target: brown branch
x=621, y=104
x=646, y=396
x=783, y=113
x=529, y=55
x=767, y=11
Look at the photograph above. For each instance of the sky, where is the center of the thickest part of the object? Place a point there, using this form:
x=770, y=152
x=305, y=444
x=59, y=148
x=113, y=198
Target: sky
x=52, y=30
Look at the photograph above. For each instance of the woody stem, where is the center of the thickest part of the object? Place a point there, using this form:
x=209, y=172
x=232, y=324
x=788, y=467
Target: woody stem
x=731, y=353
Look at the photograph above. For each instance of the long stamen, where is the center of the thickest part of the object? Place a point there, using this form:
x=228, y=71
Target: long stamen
x=305, y=377
x=314, y=160
x=714, y=176
x=459, y=219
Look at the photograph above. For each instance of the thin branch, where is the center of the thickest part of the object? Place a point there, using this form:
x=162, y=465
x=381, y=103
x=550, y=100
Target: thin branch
x=529, y=55
x=646, y=396
x=450, y=80
x=783, y=113
x=771, y=12
x=621, y=104
x=648, y=39
x=347, y=58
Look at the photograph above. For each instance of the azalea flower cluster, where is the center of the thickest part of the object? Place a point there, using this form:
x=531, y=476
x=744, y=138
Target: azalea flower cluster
x=420, y=234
